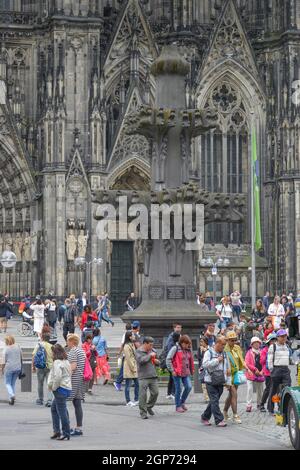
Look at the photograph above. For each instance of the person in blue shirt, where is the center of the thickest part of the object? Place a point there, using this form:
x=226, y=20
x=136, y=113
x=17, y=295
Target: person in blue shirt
x=102, y=369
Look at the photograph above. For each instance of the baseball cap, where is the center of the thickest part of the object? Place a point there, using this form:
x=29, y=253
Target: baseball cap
x=270, y=337
x=281, y=333
x=135, y=324
x=255, y=339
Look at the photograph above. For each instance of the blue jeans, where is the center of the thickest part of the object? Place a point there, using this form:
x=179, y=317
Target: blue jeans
x=180, y=399
x=103, y=316
x=222, y=324
x=127, y=389
x=120, y=377
x=59, y=413
x=236, y=310
x=10, y=382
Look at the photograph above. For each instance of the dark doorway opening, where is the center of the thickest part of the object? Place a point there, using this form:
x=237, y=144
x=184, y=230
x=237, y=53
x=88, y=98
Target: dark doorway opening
x=121, y=275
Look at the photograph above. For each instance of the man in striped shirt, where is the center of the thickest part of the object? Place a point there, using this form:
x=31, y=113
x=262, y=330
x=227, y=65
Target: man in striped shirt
x=278, y=364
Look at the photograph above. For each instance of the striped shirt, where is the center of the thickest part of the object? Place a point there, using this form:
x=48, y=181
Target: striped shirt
x=78, y=386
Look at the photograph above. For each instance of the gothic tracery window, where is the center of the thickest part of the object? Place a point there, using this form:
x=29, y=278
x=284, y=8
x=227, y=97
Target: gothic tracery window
x=224, y=156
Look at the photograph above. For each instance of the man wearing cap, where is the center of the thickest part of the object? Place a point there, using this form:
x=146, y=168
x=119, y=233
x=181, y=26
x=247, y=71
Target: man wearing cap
x=254, y=373
x=271, y=339
x=136, y=333
x=278, y=364
x=146, y=364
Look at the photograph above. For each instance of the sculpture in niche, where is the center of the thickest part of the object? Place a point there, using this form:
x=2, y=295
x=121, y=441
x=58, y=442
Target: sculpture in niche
x=1, y=244
x=8, y=244
x=139, y=256
x=82, y=243
x=71, y=245
x=34, y=239
x=18, y=245
x=27, y=247
x=109, y=249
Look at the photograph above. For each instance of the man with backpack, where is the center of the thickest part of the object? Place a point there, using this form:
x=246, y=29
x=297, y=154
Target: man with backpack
x=42, y=361
x=70, y=318
x=279, y=355
x=217, y=374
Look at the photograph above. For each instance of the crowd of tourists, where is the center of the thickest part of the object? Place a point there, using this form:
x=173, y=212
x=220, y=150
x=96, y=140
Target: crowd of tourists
x=237, y=349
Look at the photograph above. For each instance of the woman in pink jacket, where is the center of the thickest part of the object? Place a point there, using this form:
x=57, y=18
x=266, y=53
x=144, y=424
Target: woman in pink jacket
x=254, y=373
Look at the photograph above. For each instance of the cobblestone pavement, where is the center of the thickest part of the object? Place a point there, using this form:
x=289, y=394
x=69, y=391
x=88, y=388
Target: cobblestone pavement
x=257, y=431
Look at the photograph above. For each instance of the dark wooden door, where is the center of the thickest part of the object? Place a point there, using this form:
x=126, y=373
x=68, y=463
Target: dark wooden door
x=121, y=275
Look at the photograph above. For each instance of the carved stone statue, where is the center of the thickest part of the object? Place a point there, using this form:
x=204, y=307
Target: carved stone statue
x=27, y=247
x=71, y=245
x=82, y=243
x=34, y=239
x=109, y=248
x=1, y=244
x=18, y=245
x=8, y=243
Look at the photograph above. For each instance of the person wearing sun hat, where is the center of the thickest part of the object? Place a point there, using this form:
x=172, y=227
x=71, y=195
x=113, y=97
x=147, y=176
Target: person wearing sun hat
x=237, y=363
x=278, y=364
x=267, y=374
x=254, y=373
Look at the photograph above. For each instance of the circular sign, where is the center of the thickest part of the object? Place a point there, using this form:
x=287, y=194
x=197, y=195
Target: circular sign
x=8, y=259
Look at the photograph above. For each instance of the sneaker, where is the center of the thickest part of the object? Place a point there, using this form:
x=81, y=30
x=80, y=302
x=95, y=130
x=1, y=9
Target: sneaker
x=222, y=424
x=136, y=402
x=179, y=409
x=117, y=386
x=76, y=432
x=151, y=412
x=169, y=397
x=39, y=402
x=12, y=401
x=144, y=417
x=237, y=419
x=205, y=422
x=249, y=409
x=48, y=404
x=105, y=382
x=185, y=408
x=262, y=409
x=130, y=404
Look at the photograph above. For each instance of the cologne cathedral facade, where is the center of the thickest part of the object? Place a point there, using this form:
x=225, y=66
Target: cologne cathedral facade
x=70, y=73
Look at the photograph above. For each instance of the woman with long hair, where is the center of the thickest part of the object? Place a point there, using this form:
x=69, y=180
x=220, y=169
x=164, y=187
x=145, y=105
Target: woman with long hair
x=59, y=382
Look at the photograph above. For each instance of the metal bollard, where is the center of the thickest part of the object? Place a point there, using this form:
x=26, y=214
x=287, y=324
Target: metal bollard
x=26, y=383
x=197, y=384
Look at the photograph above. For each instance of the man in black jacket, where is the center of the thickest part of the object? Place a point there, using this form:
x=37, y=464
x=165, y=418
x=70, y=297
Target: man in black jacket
x=5, y=311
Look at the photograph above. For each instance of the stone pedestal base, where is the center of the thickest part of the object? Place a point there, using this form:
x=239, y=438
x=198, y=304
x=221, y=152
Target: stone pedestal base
x=157, y=318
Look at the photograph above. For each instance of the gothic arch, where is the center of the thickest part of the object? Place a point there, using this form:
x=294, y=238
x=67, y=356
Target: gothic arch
x=223, y=156
x=136, y=173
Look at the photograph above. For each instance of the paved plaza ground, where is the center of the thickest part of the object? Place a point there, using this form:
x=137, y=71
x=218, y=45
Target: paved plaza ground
x=110, y=425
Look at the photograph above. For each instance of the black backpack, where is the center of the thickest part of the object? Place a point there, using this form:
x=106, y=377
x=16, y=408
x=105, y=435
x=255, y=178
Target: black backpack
x=163, y=358
x=93, y=359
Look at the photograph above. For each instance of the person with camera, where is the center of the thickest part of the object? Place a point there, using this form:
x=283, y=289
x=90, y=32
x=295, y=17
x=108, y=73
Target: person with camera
x=147, y=375
x=217, y=374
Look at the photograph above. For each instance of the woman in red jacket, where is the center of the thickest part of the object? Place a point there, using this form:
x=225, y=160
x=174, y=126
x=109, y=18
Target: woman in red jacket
x=181, y=363
x=87, y=315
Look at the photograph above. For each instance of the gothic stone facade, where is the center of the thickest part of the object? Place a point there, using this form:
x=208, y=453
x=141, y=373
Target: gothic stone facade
x=72, y=70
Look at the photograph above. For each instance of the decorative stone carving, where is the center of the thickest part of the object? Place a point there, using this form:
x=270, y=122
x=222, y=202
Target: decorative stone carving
x=34, y=246
x=71, y=245
x=18, y=245
x=27, y=247
x=82, y=243
x=8, y=243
